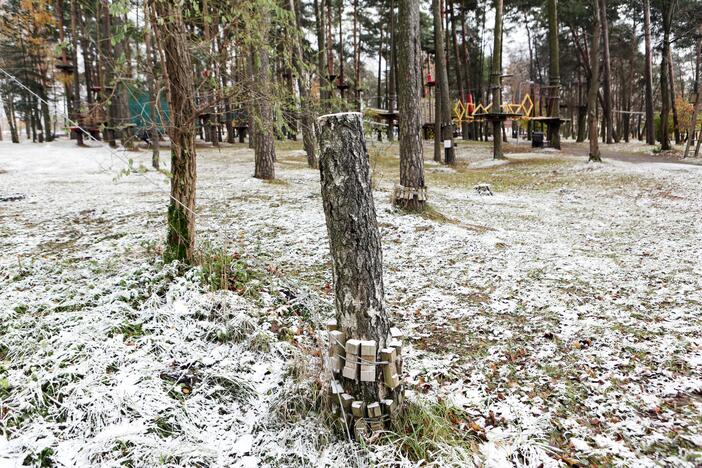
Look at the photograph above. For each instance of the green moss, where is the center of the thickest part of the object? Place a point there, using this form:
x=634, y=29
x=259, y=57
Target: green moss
x=178, y=238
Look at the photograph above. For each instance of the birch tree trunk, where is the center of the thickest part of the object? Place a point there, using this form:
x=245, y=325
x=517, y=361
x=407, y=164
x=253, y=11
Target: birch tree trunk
x=354, y=239
x=172, y=38
x=594, y=86
x=412, y=192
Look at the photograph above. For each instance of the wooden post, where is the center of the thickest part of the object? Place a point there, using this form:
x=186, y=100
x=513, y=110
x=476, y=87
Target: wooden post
x=354, y=241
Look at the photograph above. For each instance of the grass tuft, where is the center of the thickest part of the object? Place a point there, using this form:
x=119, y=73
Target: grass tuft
x=425, y=430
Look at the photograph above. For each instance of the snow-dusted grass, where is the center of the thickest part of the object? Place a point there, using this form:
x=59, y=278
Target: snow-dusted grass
x=561, y=317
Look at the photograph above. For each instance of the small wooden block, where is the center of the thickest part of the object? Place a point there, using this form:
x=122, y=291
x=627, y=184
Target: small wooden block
x=389, y=406
x=346, y=401
x=361, y=431
x=332, y=325
x=353, y=347
x=388, y=355
x=358, y=409
x=374, y=410
x=396, y=334
x=336, y=350
x=336, y=388
x=368, y=359
x=368, y=349
x=367, y=375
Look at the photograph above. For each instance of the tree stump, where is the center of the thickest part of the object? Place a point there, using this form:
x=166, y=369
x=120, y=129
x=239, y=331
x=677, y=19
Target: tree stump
x=354, y=242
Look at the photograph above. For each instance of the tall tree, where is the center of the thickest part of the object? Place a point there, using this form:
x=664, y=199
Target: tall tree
x=554, y=74
x=696, y=90
x=264, y=142
x=606, y=73
x=412, y=192
x=309, y=134
x=496, y=81
x=667, y=10
x=594, y=85
x=172, y=37
x=444, y=122
x=648, y=75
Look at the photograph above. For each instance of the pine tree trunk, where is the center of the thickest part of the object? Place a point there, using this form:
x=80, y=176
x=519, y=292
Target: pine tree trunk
x=412, y=192
x=607, y=74
x=264, y=141
x=673, y=105
x=108, y=85
x=154, y=96
x=467, y=129
x=458, y=63
x=354, y=239
x=648, y=75
x=594, y=86
x=76, y=75
x=9, y=105
x=554, y=74
x=496, y=81
x=392, y=89
x=309, y=134
x=697, y=90
x=665, y=87
x=444, y=137
x=321, y=52
x=172, y=37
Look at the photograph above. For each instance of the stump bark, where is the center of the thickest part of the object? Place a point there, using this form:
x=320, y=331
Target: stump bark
x=354, y=239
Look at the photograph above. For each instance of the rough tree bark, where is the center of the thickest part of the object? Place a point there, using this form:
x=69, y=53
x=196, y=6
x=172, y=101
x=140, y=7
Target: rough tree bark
x=554, y=74
x=606, y=73
x=392, y=80
x=354, y=239
x=496, y=81
x=321, y=52
x=696, y=90
x=673, y=105
x=264, y=142
x=172, y=38
x=412, y=192
x=154, y=96
x=9, y=105
x=444, y=123
x=648, y=75
x=594, y=86
x=76, y=75
x=309, y=134
x=665, y=87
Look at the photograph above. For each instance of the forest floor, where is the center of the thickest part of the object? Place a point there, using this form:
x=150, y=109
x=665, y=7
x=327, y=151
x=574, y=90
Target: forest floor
x=557, y=322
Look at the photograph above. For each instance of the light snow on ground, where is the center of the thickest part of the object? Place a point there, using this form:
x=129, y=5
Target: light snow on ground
x=563, y=314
